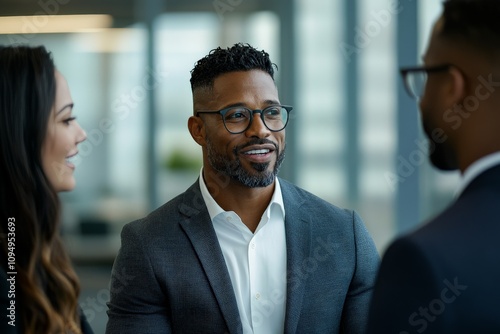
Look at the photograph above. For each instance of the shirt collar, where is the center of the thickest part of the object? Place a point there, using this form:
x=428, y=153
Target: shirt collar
x=476, y=168
x=214, y=209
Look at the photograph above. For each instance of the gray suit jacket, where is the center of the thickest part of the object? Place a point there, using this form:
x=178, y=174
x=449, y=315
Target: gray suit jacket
x=170, y=275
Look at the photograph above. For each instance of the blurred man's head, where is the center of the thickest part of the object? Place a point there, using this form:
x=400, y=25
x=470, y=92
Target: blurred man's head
x=460, y=105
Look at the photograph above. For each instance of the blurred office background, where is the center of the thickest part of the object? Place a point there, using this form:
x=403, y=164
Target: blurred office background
x=354, y=137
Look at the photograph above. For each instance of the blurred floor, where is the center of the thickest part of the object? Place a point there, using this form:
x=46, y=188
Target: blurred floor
x=94, y=281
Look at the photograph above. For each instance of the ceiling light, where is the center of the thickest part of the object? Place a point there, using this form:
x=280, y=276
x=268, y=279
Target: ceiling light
x=46, y=24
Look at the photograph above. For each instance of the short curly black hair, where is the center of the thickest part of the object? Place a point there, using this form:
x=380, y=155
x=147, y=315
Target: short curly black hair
x=239, y=57
x=474, y=22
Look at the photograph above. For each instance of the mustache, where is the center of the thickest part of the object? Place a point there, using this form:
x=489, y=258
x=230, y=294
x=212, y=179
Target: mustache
x=256, y=141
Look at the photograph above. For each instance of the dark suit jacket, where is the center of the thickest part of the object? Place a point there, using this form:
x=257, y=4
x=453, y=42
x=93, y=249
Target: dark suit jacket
x=5, y=302
x=170, y=274
x=445, y=277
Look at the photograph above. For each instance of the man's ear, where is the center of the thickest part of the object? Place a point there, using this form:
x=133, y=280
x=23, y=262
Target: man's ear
x=456, y=90
x=196, y=128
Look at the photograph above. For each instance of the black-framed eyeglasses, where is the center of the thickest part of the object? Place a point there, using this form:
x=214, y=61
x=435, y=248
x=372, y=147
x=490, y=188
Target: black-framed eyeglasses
x=415, y=78
x=238, y=119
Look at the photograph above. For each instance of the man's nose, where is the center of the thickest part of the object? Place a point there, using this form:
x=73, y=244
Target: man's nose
x=257, y=127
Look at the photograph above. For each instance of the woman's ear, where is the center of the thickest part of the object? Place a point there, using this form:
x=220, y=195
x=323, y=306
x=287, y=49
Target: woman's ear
x=196, y=128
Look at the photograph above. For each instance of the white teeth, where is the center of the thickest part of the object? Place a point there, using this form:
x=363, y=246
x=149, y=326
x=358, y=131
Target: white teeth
x=264, y=151
x=71, y=159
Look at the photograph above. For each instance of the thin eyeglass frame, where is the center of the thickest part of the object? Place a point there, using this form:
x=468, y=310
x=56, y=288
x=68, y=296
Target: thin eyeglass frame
x=407, y=73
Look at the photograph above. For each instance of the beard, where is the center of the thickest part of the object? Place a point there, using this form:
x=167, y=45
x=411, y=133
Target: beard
x=440, y=154
x=259, y=176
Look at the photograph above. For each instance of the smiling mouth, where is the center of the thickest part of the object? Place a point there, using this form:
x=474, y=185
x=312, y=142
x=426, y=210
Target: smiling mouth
x=258, y=152
x=70, y=159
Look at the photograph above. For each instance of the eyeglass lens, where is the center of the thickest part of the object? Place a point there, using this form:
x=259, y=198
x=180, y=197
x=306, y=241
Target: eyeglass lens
x=415, y=82
x=238, y=119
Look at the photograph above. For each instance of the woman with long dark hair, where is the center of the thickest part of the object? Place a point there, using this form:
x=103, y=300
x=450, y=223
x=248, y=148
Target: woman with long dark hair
x=38, y=136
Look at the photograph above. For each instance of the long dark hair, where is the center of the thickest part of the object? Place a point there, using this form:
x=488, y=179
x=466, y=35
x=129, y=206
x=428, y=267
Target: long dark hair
x=46, y=283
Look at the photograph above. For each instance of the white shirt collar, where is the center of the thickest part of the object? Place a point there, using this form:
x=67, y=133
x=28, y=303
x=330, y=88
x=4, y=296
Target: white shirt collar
x=214, y=209
x=255, y=261
x=476, y=168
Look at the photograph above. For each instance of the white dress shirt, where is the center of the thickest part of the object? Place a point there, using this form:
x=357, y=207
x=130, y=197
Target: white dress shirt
x=256, y=262
x=476, y=168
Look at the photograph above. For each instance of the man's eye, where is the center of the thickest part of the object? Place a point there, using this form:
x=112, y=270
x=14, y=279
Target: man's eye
x=237, y=115
x=273, y=111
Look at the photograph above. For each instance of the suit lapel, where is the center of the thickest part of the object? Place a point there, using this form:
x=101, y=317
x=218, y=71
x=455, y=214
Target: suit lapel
x=199, y=229
x=298, y=243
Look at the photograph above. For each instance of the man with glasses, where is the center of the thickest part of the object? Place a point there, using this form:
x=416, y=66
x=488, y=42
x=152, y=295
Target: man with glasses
x=242, y=251
x=443, y=277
